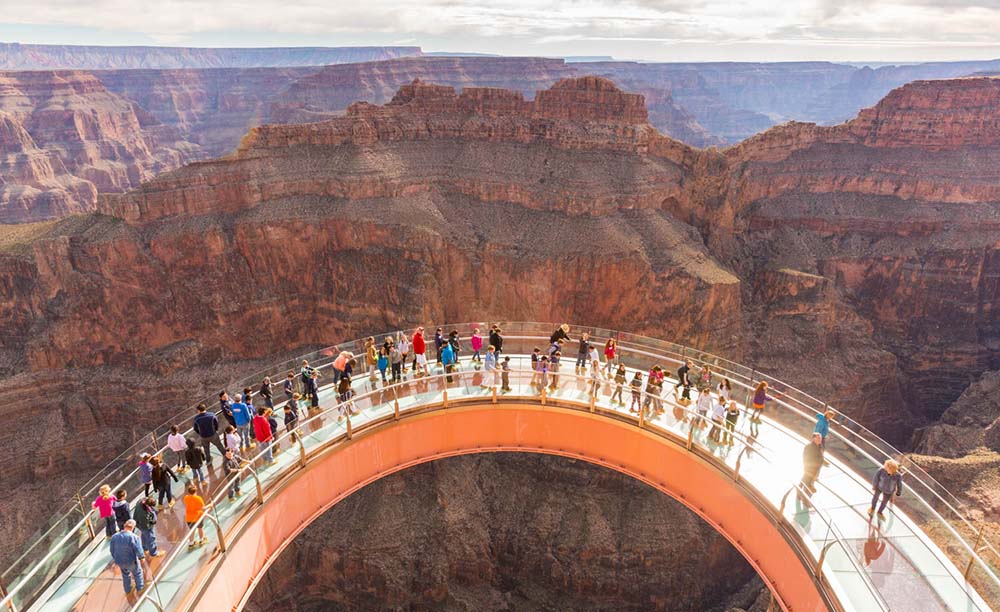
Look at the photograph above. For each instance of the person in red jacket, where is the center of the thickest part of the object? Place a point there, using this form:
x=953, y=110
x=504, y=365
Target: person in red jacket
x=419, y=353
x=262, y=429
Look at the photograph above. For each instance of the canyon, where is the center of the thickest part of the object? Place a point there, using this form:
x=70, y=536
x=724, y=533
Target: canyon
x=509, y=531
x=857, y=261
x=109, y=124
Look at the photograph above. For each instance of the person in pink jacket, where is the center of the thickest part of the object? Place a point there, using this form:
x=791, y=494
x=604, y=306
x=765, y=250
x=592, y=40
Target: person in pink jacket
x=477, y=345
x=105, y=509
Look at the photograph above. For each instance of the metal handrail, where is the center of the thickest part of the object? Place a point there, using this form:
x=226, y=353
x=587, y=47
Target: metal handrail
x=223, y=490
x=624, y=345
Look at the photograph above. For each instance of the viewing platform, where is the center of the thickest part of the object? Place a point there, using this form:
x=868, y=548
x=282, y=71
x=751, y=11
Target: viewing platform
x=814, y=552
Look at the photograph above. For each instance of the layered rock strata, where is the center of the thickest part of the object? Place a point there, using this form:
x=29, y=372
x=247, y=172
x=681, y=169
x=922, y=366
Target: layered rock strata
x=64, y=137
x=836, y=258
x=505, y=531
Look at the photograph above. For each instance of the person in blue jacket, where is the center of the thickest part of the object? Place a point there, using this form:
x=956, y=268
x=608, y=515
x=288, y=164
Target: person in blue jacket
x=448, y=359
x=823, y=423
x=126, y=551
x=243, y=417
x=888, y=481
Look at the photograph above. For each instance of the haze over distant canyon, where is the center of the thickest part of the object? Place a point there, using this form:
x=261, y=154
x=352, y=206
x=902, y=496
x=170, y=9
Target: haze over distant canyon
x=832, y=225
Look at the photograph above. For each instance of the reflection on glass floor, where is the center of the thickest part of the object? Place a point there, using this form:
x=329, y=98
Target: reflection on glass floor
x=869, y=564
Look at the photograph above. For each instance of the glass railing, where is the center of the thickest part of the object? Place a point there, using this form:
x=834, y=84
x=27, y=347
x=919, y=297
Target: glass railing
x=748, y=458
x=65, y=536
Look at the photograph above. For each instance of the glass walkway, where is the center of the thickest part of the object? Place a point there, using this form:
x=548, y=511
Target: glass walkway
x=926, y=555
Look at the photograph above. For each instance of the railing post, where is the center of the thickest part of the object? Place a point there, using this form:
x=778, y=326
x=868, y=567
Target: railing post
x=218, y=531
x=739, y=462
x=593, y=401
x=642, y=416
x=302, y=450
x=152, y=436
x=975, y=551
x=446, y=397
x=822, y=557
x=3, y=595
x=494, y=394
x=260, y=490
x=690, y=442
x=543, y=395
x=395, y=406
x=86, y=519
x=350, y=430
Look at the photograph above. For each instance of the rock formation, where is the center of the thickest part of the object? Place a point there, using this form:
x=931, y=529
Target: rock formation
x=853, y=261
x=64, y=137
x=213, y=108
x=330, y=91
x=505, y=531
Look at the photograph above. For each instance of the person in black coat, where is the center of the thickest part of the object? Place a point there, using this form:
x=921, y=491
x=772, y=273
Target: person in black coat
x=812, y=463
x=496, y=340
x=560, y=333
x=161, y=481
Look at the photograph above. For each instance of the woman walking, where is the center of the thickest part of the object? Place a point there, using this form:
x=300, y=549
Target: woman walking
x=888, y=481
x=760, y=396
x=610, y=353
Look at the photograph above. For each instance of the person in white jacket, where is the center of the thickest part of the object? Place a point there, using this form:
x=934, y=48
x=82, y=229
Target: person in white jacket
x=177, y=444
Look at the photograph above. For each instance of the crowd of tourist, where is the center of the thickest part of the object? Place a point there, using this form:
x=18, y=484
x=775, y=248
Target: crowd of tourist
x=249, y=422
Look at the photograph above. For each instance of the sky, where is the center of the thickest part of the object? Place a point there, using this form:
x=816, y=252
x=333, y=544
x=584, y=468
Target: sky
x=653, y=30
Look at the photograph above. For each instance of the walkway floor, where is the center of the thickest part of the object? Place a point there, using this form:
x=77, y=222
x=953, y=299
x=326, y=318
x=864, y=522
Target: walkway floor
x=890, y=552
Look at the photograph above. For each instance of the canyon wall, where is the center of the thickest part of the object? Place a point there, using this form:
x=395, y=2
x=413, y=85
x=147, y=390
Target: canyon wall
x=507, y=531
x=16, y=56
x=858, y=262
x=213, y=108
x=64, y=137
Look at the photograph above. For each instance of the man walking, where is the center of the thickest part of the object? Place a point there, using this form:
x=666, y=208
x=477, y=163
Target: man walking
x=145, y=520
x=242, y=416
x=126, y=551
x=812, y=463
x=206, y=425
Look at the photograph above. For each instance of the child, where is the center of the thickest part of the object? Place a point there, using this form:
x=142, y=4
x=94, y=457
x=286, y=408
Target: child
x=289, y=385
x=595, y=376
x=194, y=509
x=105, y=509
x=145, y=473
x=636, y=385
x=266, y=393
x=760, y=396
x=161, y=481
x=404, y=351
x=396, y=363
x=231, y=467
x=196, y=461
x=543, y=372
x=383, y=363
x=536, y=355
x=177, y=444
x=718, y=417
x=477, y=345
x=703, y=406
x=505, y=374
x=291, y=419
x=121, y=509
x=619, y=384
x=272, y=422
x=610, y=352
x=248, y=396
x=732, y=416
x=490, y=365
x=232, y=438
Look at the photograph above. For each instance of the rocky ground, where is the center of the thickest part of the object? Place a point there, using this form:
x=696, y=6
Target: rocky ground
x=509, y=531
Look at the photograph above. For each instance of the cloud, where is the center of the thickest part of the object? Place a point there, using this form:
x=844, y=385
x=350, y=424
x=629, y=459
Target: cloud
x=534, y=27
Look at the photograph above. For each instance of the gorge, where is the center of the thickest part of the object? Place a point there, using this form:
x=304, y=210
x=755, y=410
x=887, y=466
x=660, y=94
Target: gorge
x=857, y=261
